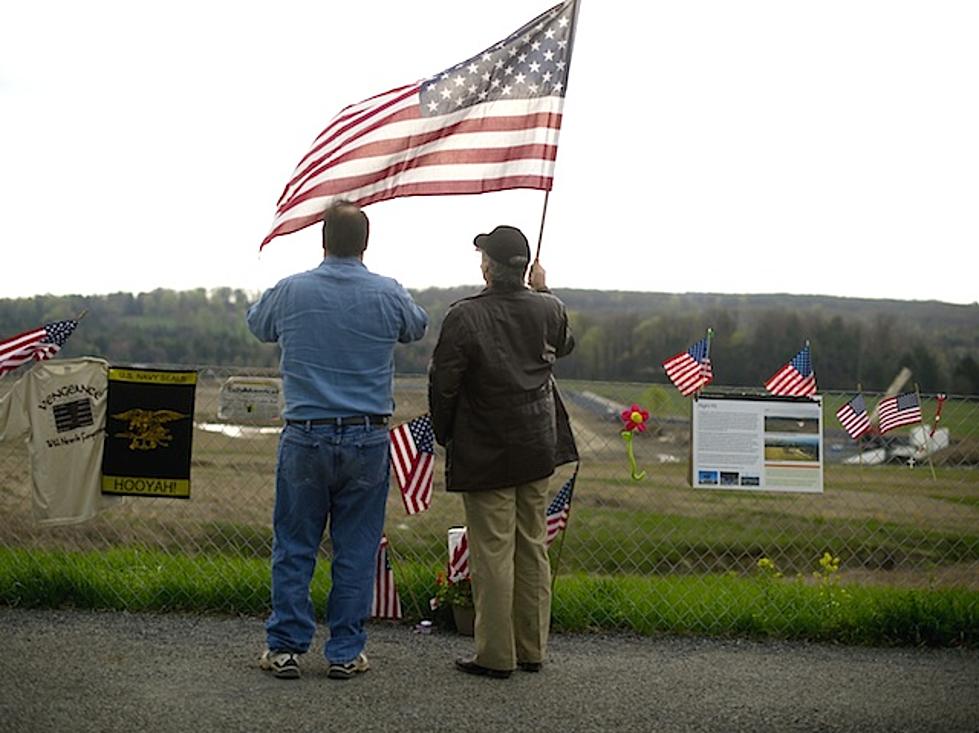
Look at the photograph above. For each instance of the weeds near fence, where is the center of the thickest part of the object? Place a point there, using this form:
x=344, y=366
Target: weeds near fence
x=760, y=605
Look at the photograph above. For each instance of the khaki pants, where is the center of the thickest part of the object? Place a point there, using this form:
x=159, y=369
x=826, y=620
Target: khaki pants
x=511, y=573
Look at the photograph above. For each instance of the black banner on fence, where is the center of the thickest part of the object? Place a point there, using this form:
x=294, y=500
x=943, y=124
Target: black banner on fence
x=149, y=430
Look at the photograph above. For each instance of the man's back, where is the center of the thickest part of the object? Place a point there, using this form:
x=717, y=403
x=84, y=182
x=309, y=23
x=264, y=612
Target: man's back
x=491, y=395
x=512, y=337
x=337, y=326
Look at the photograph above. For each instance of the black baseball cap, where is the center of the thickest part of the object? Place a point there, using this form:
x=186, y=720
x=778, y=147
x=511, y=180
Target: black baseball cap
x=506, y=245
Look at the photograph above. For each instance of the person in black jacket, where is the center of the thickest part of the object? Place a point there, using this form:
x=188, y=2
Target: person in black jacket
x=495, y=408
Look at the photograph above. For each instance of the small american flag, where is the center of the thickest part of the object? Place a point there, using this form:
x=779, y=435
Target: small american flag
x=458, y=568
x=488, y=123
x=413, y=460
x=40, y=344
x=795, y=379
x=387, y=602
x=854, y=418
x=560, y=507
x=691, y=370
x=902, y=409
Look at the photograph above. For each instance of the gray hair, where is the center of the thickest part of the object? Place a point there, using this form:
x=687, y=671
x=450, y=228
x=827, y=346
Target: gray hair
x=501, y=274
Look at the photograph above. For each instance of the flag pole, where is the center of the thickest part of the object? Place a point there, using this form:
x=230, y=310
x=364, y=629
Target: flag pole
x=860, y=437
x=557, y=558
x=710, y=338
x=540, y=235
x=927, y=452
x=547, y=193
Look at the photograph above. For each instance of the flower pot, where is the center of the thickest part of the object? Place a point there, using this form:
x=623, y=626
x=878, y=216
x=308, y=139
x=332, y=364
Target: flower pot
x=464, y=618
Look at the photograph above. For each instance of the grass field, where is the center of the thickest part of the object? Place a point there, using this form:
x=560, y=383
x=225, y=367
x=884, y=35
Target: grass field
x=892, y=527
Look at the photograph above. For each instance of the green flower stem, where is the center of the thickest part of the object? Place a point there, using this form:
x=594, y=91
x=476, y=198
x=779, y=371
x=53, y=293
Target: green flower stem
x=636, y=474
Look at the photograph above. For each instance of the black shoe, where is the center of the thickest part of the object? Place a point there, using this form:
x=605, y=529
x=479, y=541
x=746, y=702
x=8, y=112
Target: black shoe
x=469, y=666
x=530, y=666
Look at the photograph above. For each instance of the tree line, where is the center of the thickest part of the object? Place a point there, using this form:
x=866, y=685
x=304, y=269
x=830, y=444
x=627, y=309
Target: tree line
x=620, y=336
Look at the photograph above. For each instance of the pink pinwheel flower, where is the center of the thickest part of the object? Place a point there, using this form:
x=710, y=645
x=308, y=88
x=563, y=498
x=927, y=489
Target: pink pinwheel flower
x=635, y=418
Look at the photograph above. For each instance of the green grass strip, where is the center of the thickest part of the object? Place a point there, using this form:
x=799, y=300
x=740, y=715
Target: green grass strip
x=754, y=606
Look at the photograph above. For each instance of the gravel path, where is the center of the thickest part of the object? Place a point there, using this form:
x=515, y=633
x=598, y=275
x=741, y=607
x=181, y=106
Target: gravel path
x=92, y=671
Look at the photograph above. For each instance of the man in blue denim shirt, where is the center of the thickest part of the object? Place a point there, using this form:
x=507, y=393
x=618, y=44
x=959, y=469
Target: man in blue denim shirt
x=337, y=327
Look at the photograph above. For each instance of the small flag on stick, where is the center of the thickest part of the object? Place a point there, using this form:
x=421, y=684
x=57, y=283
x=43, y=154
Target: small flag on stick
x=413, y=461
x=902, y=409
x=560, y=508
x=458, y=568
x=795, y=379
x=691, y=370
x=854, y=418
x=938, y=413
x=387, y=602
x=39, y=344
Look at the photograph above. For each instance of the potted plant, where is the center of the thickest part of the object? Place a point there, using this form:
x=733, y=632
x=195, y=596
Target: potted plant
x=458, y=596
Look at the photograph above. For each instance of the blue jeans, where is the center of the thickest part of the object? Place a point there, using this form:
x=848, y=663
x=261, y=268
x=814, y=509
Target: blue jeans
x=336, y=475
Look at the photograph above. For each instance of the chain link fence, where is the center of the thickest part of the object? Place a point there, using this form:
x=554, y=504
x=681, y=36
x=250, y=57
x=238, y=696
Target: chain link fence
x=895, y=514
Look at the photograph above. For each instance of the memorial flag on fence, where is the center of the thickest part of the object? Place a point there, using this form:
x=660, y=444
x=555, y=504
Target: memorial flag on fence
x=560, y=508
x=795, y=379
x=458, y=567
x=413, y=461
x=854, y=418
x=902, y=409
x=149, y=432
x=488, y=123
x=691, y=370
x=38, y=343
x=939, y=401
x=387, y=602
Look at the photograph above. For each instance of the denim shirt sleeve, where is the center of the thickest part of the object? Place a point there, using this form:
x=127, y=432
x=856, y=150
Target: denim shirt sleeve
x=414, y=320
x=261, y=316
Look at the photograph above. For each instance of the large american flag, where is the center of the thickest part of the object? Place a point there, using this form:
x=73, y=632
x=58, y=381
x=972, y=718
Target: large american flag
x=488, y=123
x=854, y=418
x=559, y=508
x=413, y=461
x=902, y=409
x=795, y=379
x=40, y=344
x=691, y=370
x=387, y=602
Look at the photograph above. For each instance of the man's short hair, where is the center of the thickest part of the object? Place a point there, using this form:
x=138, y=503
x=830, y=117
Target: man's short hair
x=504, y=274
x=345, y=229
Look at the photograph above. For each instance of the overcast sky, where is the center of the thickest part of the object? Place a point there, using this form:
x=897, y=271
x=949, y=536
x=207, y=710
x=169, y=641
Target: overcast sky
x=711, y=146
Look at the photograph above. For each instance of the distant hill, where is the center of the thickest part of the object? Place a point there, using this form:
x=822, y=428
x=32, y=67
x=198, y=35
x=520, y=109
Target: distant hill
x=620, y=335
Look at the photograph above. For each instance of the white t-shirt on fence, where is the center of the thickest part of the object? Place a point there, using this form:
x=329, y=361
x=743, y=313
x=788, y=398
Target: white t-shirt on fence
x=62, y=404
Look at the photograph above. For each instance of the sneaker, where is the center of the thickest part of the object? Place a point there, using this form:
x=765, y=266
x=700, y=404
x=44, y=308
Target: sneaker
x=282, y=664
x=347, y=670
